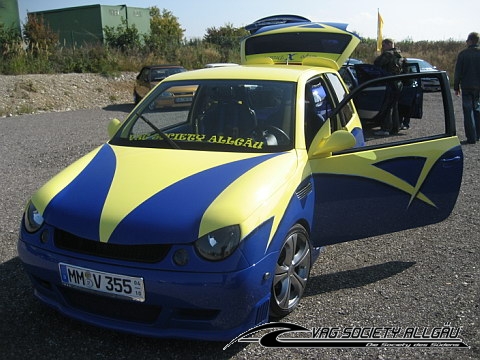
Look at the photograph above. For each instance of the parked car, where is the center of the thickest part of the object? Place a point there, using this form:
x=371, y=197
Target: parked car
x=204, y=221
x=428, y=84
x=213, y=65
x=150, y=76
x=352, y=61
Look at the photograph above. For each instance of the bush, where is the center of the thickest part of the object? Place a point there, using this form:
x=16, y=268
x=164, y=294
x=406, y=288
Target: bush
x=125, y=50
x=441, y=54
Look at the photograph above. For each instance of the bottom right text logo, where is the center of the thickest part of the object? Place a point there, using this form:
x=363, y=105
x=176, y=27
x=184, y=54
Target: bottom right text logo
x=288, y=335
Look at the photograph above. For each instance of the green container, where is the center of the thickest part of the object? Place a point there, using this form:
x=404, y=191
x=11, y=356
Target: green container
x=83, y=25
x=9, y=15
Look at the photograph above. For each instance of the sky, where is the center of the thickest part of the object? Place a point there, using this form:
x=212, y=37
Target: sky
x=413, y=20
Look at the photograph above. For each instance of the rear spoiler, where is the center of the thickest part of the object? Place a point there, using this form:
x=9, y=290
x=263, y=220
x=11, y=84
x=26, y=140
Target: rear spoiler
x=274, y=20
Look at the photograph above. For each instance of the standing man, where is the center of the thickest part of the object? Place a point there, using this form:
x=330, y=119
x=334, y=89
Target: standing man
x=467, y=78
x=392, y=62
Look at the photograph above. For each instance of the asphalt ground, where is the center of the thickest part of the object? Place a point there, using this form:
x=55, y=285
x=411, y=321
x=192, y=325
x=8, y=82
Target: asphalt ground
x=419, y=279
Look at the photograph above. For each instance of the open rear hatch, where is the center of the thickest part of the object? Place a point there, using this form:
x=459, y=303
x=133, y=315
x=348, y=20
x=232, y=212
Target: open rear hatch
x=289, y=39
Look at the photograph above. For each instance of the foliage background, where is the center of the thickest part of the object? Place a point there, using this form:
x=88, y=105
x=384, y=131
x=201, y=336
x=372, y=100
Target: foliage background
x=38, y=51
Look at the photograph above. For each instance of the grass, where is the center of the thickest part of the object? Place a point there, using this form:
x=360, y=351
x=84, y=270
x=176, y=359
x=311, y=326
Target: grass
x=441, y=54
x=110, y=62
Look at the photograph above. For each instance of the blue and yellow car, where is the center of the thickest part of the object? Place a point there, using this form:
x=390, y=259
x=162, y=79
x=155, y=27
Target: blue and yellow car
x=204, y=221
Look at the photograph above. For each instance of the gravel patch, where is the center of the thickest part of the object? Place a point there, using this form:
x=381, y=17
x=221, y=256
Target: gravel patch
x=37, y=93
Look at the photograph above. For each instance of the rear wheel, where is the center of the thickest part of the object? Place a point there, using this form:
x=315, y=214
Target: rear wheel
x=291, y=272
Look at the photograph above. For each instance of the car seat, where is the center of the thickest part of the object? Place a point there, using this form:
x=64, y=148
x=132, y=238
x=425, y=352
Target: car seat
x=229, y=113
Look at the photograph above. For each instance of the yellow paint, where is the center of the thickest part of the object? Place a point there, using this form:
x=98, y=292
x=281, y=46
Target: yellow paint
x=142, y=172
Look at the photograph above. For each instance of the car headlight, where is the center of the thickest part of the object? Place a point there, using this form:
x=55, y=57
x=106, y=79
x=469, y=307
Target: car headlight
x=219, y=244
x=32, y=218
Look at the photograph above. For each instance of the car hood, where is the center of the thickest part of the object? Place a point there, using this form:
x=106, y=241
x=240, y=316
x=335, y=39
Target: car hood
x=130, y=195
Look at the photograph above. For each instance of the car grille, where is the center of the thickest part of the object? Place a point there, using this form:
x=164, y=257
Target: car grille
x=111, y=307
x=304, y=189
x=141, y=313
x=148, y=253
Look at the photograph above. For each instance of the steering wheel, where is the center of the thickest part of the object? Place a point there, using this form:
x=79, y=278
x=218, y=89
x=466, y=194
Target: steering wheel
x=270, y=135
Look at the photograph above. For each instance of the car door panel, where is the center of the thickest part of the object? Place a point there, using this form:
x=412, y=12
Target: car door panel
x=378, y=191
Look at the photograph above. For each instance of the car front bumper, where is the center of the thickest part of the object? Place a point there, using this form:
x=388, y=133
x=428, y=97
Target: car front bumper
x=203, y=306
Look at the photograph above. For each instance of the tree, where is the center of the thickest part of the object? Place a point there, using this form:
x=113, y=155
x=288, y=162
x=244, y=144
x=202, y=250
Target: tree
x=10, y=41
x=38, y=35
x=123, y=37
x=227, y=39
x=166, y=34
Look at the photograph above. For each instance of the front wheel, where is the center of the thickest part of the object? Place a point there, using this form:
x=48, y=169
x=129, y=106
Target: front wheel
x=291, y=272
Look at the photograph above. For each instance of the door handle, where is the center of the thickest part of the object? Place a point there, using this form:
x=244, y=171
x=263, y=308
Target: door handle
x=450, y=161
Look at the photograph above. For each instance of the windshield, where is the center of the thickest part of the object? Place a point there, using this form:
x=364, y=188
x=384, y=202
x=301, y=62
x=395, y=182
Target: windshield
x=220, y=115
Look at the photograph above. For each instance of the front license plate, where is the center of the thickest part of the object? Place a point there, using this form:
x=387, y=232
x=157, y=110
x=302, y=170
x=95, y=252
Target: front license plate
x=106, y=283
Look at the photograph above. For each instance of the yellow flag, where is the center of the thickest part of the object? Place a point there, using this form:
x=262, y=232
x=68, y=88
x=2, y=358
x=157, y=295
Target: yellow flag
x=379, y=32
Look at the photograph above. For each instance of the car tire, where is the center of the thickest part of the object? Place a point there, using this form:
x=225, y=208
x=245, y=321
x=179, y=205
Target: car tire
x=292, y=271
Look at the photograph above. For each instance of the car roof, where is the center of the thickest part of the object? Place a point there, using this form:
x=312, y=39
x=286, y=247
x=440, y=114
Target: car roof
x=418, y=60
x=212, y=65
x=252, y=72
x=427, y=64
x=162, y=66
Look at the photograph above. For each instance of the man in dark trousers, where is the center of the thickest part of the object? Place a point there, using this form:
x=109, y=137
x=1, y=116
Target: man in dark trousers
x=467, y=84
x=392, y=62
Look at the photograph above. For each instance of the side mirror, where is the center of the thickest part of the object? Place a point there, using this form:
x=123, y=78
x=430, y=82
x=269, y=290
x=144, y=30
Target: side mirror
x=337, y=141
x=113, y=127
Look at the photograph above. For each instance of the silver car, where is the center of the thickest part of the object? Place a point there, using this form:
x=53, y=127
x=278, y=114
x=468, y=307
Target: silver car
x=428, y=84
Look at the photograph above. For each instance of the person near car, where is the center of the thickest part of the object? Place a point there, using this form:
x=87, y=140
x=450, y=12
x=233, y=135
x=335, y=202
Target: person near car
x=467, y=84
x=404, y=109
x=392, y=62
x=404, y=123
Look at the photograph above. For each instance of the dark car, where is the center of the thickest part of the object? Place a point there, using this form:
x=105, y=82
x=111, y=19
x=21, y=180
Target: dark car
x=352, y=61
x=150, y=76
x=370, y=103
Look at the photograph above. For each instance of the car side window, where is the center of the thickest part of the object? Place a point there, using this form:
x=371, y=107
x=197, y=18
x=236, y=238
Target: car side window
x=348, y=76
x=318, y=106
x=340, y=92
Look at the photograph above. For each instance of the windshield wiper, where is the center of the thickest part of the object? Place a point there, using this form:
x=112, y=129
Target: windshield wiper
x=164, y=136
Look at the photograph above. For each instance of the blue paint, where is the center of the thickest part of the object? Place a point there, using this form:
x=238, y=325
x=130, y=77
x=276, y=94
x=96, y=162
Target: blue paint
x=77, y=208
x=174, y=214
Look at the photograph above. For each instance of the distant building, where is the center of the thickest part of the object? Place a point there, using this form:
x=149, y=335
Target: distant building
x=77, y=26
x=9, y=15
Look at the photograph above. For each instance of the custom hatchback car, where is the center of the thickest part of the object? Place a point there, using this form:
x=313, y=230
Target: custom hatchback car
x=205, y=221
x=214, y=65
